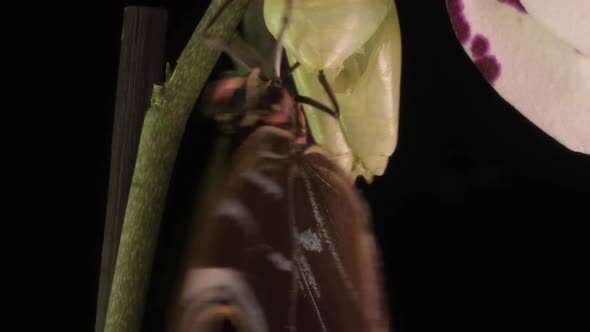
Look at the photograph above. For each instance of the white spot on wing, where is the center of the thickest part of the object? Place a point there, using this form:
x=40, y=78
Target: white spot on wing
x=305, y=283
x=324, y=234
x=305, y=270
x=265, y=183
x=279, y=261
x=239, y=212
x=310, y=241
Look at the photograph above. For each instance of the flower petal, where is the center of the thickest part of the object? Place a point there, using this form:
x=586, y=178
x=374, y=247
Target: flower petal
x=569, y=20
x=540, y=74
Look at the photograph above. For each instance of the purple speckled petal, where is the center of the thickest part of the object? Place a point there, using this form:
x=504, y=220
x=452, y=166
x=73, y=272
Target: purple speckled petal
x=460, y=25
x=539, y=70
x=480, y=46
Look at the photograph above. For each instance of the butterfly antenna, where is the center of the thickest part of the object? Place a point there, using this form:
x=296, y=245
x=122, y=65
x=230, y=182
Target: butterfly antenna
x=317, y=104
x=328, y=89
x=237, y=48
x=292, y=69
x=278, y=52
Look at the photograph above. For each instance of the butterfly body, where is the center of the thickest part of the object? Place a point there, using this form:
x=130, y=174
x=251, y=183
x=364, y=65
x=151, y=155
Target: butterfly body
x=284, y=242
x=255, y=100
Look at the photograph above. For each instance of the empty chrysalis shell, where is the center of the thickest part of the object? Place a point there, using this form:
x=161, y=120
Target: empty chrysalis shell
x=322, y=34
x=366, y=86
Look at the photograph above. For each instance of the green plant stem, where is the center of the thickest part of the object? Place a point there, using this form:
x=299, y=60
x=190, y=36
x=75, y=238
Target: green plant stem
x=140, y=66
x=161, y=134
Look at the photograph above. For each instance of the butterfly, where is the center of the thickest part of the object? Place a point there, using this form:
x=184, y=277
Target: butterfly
x=285, y=242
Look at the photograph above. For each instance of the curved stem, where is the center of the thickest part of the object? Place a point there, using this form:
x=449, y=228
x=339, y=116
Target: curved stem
x=161, y=134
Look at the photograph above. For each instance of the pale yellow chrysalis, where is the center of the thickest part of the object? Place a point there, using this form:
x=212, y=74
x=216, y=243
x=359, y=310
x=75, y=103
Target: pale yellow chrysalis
x=323, y=33
x=366, y=85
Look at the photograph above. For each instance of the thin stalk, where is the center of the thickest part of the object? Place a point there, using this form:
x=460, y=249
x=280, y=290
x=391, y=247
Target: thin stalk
x=162, y=131
x=141, y=65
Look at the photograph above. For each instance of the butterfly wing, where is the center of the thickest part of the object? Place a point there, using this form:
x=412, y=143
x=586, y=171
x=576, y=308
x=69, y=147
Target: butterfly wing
x=285, y=247
x=239, y=261
x=340, y=288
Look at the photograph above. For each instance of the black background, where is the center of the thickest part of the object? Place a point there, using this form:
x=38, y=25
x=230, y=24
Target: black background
x=480, y=214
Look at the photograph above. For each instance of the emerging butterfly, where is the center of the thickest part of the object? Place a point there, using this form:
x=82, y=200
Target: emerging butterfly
x=286, y=243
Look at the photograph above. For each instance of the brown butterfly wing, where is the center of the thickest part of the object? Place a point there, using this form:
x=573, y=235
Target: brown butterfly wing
x=338, y=260
x=245, y=237
x=286, y=246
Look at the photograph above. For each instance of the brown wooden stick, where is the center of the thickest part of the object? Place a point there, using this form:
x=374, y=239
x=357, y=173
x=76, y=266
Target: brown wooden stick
x=140, y=67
